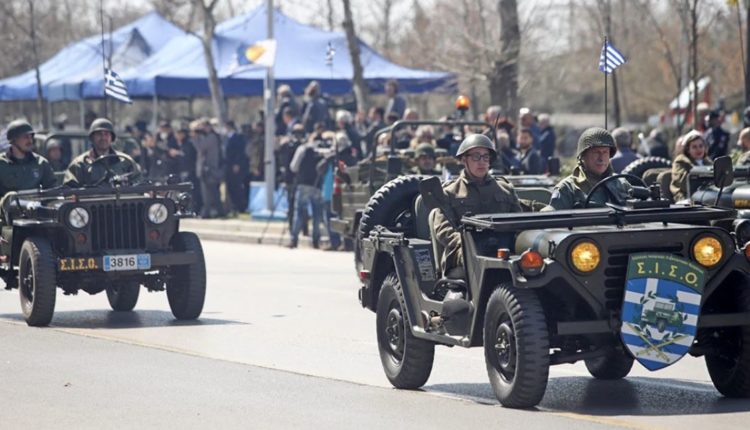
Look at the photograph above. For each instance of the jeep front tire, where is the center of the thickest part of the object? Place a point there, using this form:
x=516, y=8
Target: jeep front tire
x=186, y=290
x=37, y=281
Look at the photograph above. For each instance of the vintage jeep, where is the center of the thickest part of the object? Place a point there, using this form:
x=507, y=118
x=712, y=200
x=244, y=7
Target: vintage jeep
x=549, y=288
x=113, y=237
x=359, y=189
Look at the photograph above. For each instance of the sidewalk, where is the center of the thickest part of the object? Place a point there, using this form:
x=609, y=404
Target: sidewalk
x=246, y=230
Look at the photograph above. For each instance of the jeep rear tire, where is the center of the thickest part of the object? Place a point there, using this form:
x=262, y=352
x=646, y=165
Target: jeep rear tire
x=123, y=296
x=407, y=361
x=615, y=365
x=37, y=279
x=516, y=346
x=729, y=365
x=186, y=291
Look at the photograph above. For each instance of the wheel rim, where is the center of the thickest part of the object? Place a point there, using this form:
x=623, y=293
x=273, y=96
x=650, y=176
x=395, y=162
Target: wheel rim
x=505, y=349
x=26, y=280
x=394, y=332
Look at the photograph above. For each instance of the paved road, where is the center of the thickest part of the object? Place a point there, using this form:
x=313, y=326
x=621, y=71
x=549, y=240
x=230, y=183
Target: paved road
x=296, y=311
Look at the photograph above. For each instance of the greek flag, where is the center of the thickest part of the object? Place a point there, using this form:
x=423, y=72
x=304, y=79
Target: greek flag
x=330, y=52
x=610, y=59
x=115, y=87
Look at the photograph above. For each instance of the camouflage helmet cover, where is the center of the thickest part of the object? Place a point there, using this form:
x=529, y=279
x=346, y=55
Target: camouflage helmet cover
x=424, y=149
x=476, y=141
x=595, y=137
x=102, y=124
x=18, y=128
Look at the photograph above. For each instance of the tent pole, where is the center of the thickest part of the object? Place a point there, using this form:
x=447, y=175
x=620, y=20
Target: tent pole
x=49, y=115
x=268, y=93
x=155, y=114
x=82, y=109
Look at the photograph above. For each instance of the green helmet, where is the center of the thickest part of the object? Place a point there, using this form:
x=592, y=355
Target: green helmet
x=18, y=128
x=424, y=149
x=476, y=141
x=595, y=137
x=102, y=124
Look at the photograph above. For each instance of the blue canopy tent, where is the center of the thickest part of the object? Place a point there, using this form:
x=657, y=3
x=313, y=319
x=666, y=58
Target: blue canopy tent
x=179, y=71
x=63, y=73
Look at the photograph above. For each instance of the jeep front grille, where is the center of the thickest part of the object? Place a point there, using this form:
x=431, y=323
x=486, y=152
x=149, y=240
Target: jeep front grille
x=617, y=268
x=118, y=226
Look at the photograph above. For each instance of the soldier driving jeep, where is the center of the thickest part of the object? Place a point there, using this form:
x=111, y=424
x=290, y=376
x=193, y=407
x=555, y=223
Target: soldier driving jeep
x=596, y=146
x=474, y=191
x=93, y=167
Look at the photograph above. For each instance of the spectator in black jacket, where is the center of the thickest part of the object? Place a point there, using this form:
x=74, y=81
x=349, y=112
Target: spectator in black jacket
x=531, y=161
x=237, y=169
x=307, y=194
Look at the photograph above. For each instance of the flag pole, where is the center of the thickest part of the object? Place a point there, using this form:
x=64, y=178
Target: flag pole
x=605, y=82
x=104, y=59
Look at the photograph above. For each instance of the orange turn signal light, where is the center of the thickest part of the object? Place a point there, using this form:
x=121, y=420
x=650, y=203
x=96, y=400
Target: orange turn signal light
x=462, y=103
x=531, y=262
x=747, y=250
x=364, y=275
x=503, y=253
x=81, y=238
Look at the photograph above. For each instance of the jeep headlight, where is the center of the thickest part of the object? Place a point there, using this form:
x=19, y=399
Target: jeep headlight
x=707, y=251
x=78, y=217
x=157, y=213
x=585, y=256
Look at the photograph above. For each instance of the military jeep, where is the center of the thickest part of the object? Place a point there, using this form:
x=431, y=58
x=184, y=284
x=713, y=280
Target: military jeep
x=546, y=288
x=115, y=237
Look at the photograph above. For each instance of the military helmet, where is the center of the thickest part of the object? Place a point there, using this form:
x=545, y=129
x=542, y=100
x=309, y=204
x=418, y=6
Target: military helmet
x=595, y=137
x=102, y=124
x=18, y=128
x=424, y=149
x=476, y=141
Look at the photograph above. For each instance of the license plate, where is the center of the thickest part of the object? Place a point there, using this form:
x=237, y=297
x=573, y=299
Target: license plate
x=114, y=263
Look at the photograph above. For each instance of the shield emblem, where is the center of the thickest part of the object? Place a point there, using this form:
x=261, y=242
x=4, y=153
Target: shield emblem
x=661, y=307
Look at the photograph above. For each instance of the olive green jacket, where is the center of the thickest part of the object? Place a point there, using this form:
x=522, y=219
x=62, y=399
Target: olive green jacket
x=33, y=171
x=84, y=172
x=571, y=192
x=465, y=196
x=681, y=167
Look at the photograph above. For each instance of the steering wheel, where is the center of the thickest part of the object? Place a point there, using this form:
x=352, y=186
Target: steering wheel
x=111, y=174
x=608, y=179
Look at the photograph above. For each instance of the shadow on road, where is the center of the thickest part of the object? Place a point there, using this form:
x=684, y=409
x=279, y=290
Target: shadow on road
x=631, y=396
x=93, y=319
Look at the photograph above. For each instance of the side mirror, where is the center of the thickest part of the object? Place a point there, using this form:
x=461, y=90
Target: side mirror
x=553, y=166
x=723, y=171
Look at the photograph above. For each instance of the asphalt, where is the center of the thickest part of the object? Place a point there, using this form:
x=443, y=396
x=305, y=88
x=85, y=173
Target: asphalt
x=242, y=230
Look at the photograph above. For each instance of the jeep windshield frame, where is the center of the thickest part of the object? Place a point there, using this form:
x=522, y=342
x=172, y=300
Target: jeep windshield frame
x=511, y=222
x=64, y=191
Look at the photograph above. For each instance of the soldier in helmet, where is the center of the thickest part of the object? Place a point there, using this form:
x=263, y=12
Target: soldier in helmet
x=20, y=167
x=475, y=191
x=595, y=148
x=425, y=158
x=85, y=171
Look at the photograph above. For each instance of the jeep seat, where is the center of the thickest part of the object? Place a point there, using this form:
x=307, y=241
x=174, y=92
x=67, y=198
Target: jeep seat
x=421, y=219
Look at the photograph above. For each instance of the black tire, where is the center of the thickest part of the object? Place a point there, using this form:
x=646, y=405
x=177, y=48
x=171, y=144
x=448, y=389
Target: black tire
x=729, y=367
x=615, y=365
x=392, y=200
x=407, y=361
x=186, y=291
x=123, y=297
x=37, y=281
x=639, y=166
x=516, y=346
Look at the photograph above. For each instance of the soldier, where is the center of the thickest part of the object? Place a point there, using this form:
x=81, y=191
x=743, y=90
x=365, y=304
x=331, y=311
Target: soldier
x=84, y=170
x=694, y=153
x=473, y=191
x=425, y=158
x=595, y=148
x=20, y=167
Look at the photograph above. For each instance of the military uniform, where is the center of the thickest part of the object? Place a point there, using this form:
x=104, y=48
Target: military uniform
x=572, y=192
x=744, y=159
x=28, y=173
x=83, y=172
x=681, y=167
x=488, y=195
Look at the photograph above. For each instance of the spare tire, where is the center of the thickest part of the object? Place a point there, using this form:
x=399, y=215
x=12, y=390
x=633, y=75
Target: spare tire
x=639, y=166
x=391, y=206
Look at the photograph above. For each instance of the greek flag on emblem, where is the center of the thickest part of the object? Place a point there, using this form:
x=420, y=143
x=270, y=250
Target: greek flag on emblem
x=661, y=307
x=610, y=59
x=115, y=87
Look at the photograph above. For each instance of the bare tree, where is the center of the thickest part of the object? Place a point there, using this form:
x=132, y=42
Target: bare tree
x=329, y=14
x=360, y=86
x=503, y=77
